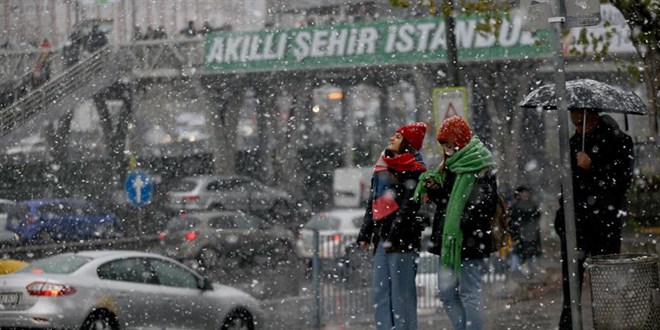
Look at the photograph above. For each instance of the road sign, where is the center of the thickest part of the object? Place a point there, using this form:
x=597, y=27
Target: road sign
x=451, y=101
x=582, y=13
x=578, y=13
x=139, y=188
x=535, y=14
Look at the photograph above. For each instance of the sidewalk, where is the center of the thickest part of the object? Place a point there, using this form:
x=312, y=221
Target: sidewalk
x=517, y=303
x=520, y=303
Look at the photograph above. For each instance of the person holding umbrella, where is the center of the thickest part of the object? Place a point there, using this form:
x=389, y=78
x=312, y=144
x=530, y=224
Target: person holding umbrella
x=602, y=162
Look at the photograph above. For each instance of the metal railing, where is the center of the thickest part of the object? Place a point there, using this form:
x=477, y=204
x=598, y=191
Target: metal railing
x=143, y=59
x=65, y=83
x=167, y=58
x=15, y=64
x=342, y=276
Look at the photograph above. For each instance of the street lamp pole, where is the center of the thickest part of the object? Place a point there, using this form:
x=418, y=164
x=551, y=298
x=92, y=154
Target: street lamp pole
x=446, y=8
x=565, y=168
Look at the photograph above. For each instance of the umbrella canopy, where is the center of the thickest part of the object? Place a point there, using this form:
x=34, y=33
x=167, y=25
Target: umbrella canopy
x=587, y=94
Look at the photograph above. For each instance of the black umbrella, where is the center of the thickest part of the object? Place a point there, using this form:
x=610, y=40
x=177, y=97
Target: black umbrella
x=590, y=95
x=587, y=94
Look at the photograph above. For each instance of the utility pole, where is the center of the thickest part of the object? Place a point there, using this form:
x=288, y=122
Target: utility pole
x=446, y=7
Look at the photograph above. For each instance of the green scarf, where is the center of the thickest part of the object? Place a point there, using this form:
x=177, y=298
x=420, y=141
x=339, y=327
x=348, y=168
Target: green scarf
x=466, y=164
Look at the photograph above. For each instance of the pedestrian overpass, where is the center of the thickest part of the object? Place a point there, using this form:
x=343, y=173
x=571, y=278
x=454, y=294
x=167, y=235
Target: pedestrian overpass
x=293, y=62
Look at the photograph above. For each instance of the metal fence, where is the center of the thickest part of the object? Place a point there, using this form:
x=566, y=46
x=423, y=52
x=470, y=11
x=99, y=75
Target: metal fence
x=342, y=276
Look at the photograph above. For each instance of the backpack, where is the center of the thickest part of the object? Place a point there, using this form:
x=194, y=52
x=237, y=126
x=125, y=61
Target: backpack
x=500, y=233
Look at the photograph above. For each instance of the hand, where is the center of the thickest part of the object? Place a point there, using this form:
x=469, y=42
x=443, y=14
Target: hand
x=429, y=183
x=583, y=160
x=364, y=245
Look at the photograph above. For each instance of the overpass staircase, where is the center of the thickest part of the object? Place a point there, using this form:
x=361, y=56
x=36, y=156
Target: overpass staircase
x=59, y=94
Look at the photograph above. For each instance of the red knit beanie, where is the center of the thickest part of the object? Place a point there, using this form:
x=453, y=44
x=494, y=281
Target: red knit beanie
x=414, y=134
x=455, y=129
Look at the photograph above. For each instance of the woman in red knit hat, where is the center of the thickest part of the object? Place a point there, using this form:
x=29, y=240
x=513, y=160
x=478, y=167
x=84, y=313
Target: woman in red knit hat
x=390, y=225
x=464, y=190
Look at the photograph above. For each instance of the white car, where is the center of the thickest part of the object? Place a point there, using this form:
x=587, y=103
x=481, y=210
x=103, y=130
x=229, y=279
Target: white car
x=229, y=192
x=338, y=228
x=120, y=290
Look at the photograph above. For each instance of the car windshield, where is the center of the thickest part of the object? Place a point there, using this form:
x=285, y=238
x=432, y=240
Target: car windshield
x=177, y=224
x=183, y=185
x=59, y=264
x=323, y=222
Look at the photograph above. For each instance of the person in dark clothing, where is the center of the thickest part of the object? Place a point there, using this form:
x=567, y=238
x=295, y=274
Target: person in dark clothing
x=190, y=30
x=392, y=227
x=150, y=33
x=137, y=33
x=41, y=71
x=206, y=28
x=71, y=53
x=464, y=190
x=95, y=40
x=524, y=216
x=602, y=163
x=160, y=33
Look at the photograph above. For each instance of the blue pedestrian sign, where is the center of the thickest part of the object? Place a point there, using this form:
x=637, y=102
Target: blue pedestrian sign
x=139, y=188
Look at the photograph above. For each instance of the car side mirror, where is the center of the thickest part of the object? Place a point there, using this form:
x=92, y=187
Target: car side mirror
x=206, y=284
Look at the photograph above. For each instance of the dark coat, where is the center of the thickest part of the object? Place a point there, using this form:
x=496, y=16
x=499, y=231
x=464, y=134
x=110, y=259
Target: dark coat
x=475, y=220
x=524, y=217
x=403, y=229
x=599, y=193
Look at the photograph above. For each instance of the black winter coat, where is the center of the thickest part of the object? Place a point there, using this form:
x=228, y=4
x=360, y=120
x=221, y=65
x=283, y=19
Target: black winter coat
x=475, y=220
x=599, y=193
x=524, y=217
x=402, y=230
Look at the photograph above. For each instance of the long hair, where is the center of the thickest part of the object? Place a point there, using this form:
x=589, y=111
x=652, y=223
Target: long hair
x=406, y=147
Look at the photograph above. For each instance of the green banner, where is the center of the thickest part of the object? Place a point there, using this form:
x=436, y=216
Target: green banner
x=373, y=43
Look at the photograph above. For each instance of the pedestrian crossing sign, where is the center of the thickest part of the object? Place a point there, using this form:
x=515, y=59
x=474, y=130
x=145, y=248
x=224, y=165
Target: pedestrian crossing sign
x=448, y=102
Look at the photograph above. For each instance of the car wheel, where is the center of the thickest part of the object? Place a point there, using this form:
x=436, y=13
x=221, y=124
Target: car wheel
x=100, y=321
x=208, y=258
x=238, y=320
x=216, y=207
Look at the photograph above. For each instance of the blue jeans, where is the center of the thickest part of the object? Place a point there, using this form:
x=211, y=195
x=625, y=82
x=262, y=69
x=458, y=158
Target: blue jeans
x=461, y=295
x=395, y=293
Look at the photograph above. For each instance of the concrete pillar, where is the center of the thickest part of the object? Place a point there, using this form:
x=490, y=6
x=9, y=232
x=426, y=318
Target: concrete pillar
x=287, y=157
x=115, y=133
x=266, y=105
x=225, y=105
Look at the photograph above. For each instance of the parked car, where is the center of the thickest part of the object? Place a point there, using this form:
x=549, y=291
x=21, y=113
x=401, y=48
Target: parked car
x=229, y=239
x=338, y=230
x=351, y=186
x=5, y=206
x=232, y=192
x=120, y=289
x=7, y=237
x=48, y=220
